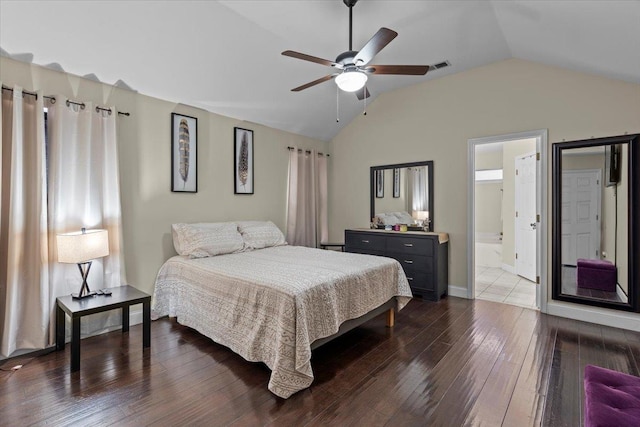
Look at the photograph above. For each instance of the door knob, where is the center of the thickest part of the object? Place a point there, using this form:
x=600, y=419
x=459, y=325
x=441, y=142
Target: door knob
x=533, y=225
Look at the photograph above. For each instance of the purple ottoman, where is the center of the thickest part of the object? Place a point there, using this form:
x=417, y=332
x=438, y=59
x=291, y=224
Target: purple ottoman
x=597, y=274
x=611, y=398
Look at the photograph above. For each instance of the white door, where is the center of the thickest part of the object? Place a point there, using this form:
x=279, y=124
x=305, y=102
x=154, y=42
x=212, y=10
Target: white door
x=526, y=224
x=580, y=214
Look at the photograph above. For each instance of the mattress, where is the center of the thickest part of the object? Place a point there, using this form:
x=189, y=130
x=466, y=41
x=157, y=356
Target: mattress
x=269, y=305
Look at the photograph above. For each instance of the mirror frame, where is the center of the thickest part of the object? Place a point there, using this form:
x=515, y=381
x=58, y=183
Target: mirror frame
x=372, y=183
x=633, y=142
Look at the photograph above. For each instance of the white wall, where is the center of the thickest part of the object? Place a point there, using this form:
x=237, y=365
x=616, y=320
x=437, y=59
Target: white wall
x=434, y=120
x=144, y=140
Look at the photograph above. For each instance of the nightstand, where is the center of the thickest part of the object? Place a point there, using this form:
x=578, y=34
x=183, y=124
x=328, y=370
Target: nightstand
x=121, y=297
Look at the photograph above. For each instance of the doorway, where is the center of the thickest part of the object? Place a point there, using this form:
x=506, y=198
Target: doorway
x=505, y=213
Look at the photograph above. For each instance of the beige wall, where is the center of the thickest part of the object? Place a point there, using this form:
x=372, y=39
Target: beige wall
x=144, y=139
x=388, y=203
x=488, y=215
x=434, y=120
x=488, y=206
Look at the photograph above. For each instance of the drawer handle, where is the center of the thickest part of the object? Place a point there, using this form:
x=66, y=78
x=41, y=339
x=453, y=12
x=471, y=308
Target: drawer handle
x=409, y=278
x=408, y=261
x=409, y=245
x=365, y=241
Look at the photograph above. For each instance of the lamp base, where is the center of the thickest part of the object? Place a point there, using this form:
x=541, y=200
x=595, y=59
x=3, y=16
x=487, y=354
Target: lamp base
x=85, y=292
x=79, y=296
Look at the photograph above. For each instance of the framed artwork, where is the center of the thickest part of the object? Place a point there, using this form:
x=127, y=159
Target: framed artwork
x=379, y=183
x=611, y=165
x=184, y=153
x=396, y=182
x=243, y=161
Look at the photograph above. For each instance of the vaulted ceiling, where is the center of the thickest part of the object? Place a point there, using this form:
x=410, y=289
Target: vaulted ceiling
x=225, y=56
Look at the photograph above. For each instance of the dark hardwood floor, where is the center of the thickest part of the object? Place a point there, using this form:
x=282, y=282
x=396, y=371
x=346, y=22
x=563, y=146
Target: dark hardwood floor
x=456, y=362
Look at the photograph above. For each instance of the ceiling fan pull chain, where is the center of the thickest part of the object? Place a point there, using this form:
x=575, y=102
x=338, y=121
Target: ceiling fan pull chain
x=337, y=104
x=365, y=100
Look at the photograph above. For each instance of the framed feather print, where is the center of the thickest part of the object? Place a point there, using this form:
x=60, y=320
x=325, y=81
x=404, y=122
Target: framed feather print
x=243, y=161
x=184, y=153
x=380, y=183
x=396, y=183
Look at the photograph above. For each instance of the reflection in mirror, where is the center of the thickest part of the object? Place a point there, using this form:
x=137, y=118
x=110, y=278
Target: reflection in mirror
x=402, y=194
x=592, y=222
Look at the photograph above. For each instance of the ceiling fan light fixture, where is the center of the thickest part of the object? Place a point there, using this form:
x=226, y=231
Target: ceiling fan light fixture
x=351, y=81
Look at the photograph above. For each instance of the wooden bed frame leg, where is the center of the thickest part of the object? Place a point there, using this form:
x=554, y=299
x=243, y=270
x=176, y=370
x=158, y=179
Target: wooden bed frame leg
x=391, y=318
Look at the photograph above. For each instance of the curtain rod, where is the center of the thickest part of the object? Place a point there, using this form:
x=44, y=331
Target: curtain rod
x=307, y=151
x=53, y=101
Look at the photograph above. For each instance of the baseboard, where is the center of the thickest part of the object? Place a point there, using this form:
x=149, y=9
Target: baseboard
x=619, y=319
x=621, y=293
x=509, y=268
x=135, y=318
x=458, y=291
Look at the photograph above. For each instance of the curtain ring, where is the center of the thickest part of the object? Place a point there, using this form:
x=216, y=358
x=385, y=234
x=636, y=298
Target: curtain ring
x=98, y=109
x=81, y=104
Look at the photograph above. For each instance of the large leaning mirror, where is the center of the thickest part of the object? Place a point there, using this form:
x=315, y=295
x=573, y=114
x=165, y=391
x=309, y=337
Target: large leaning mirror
x=403, y=194
x=596, y=224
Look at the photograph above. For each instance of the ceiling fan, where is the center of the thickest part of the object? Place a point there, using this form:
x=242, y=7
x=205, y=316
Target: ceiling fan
x=353, y=65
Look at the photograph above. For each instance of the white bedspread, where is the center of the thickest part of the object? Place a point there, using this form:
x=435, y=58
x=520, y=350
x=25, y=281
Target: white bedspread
x=269, y=305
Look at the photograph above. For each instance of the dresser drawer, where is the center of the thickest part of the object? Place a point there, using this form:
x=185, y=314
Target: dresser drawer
x=370, y=242
x=412, y=245
x=414, y=262
x=364, y=251
x=420, y=281
x=423, y=259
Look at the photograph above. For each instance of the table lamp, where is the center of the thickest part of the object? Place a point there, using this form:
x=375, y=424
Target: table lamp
x=421, y=217
x=80, y=248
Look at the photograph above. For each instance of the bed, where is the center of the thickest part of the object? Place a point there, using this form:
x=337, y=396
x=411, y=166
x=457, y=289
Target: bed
x=274, y=303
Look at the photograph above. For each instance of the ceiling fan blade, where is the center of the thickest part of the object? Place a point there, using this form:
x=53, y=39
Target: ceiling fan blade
x=379, y=40
x=363, y=93
x=411, y=70
x=313, y=83
x=310, y=58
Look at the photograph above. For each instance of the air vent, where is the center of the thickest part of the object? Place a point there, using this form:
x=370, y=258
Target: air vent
x=439, y=65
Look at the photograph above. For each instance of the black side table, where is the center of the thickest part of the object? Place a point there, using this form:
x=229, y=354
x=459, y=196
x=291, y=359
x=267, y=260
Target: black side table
x=122, y=297
x=332, y=245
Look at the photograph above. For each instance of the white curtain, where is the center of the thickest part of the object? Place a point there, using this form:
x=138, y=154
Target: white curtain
x=84, y=191
x=419, y=200
x=24, y=280
x=307, y=223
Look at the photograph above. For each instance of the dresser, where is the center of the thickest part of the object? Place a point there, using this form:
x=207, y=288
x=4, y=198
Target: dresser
x=423, y=256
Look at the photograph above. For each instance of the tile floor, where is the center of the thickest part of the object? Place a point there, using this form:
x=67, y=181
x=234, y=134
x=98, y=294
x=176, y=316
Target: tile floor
x=495, y=284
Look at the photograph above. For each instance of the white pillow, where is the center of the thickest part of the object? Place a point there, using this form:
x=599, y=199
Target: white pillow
x=206, y=239
x=403, y=217
x=260, y=234
x=386, y=219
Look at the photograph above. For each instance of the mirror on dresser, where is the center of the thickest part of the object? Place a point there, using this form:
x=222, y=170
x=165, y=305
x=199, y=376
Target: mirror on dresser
x=596, y=222
x=403, y=191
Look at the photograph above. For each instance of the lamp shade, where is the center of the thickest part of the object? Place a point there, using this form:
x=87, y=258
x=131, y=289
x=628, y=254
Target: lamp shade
x=351, y=81
x=421, y=215
x=82, y=246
